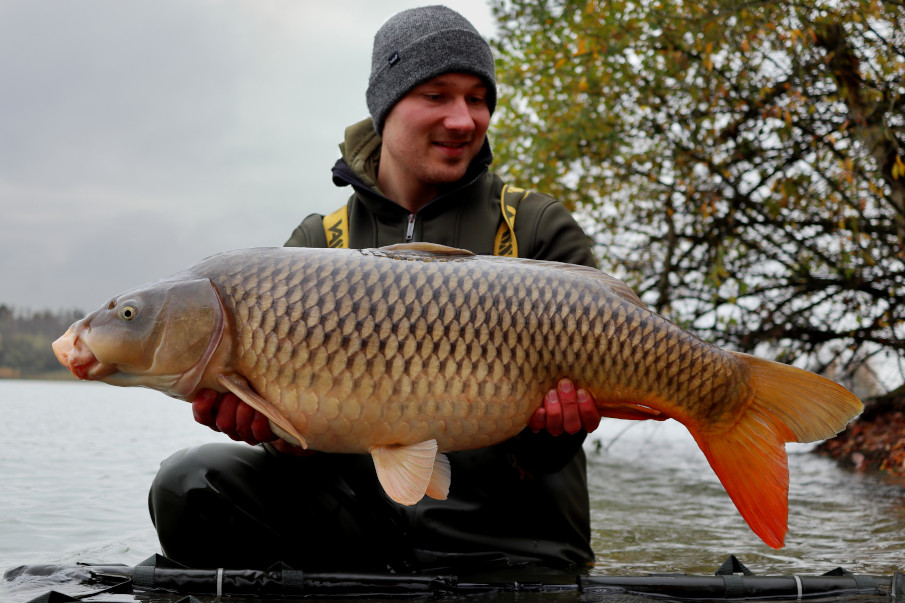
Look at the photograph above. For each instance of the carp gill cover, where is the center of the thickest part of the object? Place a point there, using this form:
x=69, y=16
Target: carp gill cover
x=410, y=351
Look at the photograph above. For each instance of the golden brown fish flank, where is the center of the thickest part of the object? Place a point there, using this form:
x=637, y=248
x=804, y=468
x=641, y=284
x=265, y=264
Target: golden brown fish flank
x=420, y=332
x=409, y=351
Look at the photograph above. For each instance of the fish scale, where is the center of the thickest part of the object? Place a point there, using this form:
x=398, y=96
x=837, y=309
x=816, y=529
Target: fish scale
x=410, y=351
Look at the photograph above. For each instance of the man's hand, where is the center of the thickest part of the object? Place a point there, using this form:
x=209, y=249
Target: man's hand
x=227, y=413
x=566, y=410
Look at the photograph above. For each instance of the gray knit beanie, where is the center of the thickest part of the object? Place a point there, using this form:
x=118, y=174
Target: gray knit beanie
x=418, y=44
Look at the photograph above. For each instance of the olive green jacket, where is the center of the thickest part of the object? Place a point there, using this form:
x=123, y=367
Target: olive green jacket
x=466, y=215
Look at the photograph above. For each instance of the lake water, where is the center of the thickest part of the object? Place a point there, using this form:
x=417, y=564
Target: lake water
x=76, y=461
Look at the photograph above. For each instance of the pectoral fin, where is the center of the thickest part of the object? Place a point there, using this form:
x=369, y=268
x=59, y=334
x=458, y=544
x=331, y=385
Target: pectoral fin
x=280, y=424
x=407, y=473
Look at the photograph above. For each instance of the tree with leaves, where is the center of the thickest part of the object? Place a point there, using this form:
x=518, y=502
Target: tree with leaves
x=741, y=164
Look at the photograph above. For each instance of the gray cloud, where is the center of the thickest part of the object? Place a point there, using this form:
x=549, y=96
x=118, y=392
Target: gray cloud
x=139, y=137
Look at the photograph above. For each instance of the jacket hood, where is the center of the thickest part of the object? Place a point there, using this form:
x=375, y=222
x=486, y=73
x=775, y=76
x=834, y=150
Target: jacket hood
x=361, y=155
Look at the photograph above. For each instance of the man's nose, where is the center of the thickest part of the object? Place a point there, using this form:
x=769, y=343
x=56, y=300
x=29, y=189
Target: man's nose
x=459, y=116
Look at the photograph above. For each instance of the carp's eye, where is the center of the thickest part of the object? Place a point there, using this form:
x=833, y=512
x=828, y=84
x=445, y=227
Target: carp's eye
x=128, y=312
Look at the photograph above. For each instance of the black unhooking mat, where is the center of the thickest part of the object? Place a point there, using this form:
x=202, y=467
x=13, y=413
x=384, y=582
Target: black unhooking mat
x=160, y=580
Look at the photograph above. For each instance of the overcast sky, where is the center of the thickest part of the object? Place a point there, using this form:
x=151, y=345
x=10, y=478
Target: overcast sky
x=138, y=137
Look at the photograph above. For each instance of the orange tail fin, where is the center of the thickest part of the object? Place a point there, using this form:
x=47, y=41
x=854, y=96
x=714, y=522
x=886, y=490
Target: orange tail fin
x=790, y=405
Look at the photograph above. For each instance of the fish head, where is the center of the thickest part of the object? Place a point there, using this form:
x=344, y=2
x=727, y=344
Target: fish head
x=160, y=336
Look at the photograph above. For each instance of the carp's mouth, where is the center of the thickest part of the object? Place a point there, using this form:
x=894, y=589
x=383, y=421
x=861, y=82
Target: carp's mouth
x=73, y=353
x=163, y=339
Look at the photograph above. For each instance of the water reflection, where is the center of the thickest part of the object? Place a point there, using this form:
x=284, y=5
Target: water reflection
x=658, y=507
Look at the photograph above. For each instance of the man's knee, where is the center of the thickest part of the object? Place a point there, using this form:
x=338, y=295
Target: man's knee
x=195, y=467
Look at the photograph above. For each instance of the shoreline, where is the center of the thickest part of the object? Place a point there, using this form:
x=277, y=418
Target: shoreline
x=875, y=441
x=56, y=375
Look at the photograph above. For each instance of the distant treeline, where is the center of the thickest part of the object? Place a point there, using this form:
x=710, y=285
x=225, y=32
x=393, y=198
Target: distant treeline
x=25, y=339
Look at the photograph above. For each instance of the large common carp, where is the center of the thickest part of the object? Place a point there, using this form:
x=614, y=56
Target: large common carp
x=409, y=351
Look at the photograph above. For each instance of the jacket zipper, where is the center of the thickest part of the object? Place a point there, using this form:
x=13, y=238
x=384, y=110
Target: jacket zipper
x=410, y=232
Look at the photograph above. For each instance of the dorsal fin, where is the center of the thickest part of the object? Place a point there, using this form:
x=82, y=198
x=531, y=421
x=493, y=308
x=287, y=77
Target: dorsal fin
x=422, y=247
x=618, y=287
x=615, y=285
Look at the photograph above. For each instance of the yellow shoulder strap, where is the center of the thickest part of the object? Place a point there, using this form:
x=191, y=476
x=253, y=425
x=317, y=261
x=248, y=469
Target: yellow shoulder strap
x=336, y=227
x=504, y=243
x=336, y=224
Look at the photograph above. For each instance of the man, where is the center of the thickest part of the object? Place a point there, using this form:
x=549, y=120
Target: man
x=418, y=169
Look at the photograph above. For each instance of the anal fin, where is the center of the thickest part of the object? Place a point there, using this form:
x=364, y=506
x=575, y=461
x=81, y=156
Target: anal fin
x=630, y=412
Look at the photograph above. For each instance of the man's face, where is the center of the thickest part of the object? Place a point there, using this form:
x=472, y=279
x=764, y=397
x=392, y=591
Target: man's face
x=434, y=132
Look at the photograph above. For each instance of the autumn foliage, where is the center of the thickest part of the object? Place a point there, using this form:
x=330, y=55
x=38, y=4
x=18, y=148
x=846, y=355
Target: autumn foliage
x=741, y=164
